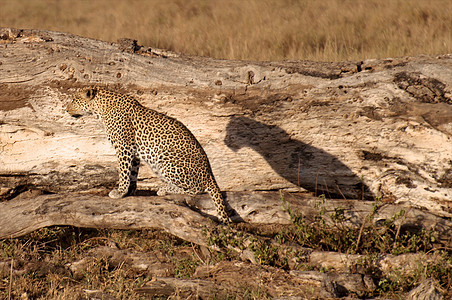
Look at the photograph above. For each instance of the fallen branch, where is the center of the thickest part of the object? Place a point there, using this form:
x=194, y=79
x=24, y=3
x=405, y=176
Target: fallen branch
x=191, y=222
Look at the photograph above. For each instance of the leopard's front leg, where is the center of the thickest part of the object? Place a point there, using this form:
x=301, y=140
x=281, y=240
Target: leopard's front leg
x=128, y=171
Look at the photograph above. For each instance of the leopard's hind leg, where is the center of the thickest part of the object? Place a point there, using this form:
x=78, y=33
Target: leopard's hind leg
x=134, y=175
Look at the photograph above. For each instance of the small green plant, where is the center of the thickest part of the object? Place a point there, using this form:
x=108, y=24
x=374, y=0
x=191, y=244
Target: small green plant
x=8, y=248
x=186, y=267
x=226, y=239
x=440, y=270
x=317, y=233
x=253, y=293
x=333, y=233
x=267, y=254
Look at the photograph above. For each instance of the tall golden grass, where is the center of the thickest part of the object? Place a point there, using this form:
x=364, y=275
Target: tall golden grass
x=327, y=30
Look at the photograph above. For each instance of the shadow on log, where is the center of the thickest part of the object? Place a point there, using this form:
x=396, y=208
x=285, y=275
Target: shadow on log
x=300, y=163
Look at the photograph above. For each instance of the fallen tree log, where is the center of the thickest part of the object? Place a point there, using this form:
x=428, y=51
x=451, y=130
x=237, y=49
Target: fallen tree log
x=360, y=130
x=269, y=282
x=185, y=217
x=100, y=212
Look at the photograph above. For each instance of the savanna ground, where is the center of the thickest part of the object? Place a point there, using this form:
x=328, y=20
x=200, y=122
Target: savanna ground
x=252, y=30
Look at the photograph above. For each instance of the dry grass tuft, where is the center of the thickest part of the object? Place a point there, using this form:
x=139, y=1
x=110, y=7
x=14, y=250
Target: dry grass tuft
x=329, y=30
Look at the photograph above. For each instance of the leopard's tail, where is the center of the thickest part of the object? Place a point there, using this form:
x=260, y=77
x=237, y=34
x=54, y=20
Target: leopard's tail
x=218, y=199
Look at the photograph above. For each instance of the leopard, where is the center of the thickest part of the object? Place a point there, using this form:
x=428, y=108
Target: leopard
x=139, y=133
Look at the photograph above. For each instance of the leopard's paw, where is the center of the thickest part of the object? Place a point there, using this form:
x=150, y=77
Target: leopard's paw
x=115, y=194
x=162, y=192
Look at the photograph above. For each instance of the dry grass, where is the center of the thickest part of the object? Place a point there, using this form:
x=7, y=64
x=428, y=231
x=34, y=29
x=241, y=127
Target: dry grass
x=328, y=30
x=40, y=263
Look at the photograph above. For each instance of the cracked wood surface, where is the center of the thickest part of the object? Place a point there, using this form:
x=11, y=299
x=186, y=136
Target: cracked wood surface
x=360, y=130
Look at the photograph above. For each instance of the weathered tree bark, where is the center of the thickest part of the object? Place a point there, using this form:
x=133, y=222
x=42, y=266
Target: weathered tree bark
x=378, y=128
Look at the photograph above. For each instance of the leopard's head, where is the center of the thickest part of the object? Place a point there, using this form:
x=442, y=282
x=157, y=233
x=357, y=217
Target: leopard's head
x=100, y=101
x=83, y=102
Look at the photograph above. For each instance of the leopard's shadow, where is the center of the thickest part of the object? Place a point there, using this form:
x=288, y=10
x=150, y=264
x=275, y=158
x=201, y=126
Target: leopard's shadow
x=144, y=193
x=302, y=164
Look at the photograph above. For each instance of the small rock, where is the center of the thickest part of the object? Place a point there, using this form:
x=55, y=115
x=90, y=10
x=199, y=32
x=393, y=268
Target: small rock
x=98, y=294
x=425, y=291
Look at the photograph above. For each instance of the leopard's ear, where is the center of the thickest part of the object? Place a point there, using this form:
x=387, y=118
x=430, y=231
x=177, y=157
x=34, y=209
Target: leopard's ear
x=91, y=92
